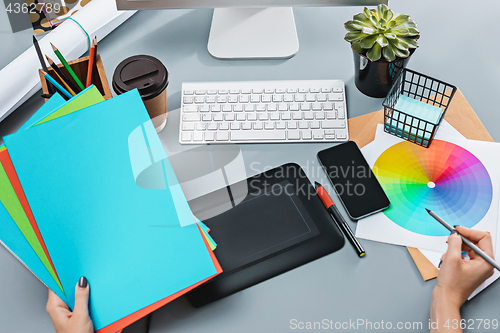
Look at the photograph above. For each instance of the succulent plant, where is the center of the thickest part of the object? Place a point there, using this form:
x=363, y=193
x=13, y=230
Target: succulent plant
x=381, y=32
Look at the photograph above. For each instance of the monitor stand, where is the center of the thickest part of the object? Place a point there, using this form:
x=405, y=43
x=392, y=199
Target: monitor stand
x=253, y=33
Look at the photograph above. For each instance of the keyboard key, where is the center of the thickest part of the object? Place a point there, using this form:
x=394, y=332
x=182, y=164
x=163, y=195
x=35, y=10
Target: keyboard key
x=267, y=98
x=210, y=99
x=212, y=126
x=257, y=91
x=310, y=98
x=218, y=117
x=258, y=136
x=241, y=117
x=281, y=125
x=314, y=90
x=201, y=126
x=274, y=116
x=188, y=100
x=222, y=92
x=200, y=92
x=206, y=117
x=238, y=108
x=294, y=106
x=297, y=115
x=308, y=115
x=263, y=116
x=300, y=98
x=326, y=89
x=291, y=90
x=268, y=91
x=319, y=115
x=234, y=91
x=227, y=108
x=188, y=126
x=303, y=124
x=341, y=136
x=340, y=112
x=186, y=136
x=286, y=116
x=204, y=108
x=314, y=124
x=235, y=126
x=269, y=125
x=223, y=126
x=190, y=108
x=329, y=132
x=222, y=136
x=188, y=92
x=330, y=136
x=198, y=136
x=252, y=117
x=277, y=98
x=291, y=124
x=316, y=106
x=199, y=99
x=258, y=125
x=333, y=124
x=212, y=92
x=303, y=90
x=288, y=98
x=229, y=117
x=260, y=108
x=327, y=106
x=306, y=134
x=246, y=91
x=335, y=97
x=246, y=125
x=209, y=136
x=244, y=99
x=321, y=97
x=248, y=107
x=221, y=99
x=337, y=89
x=305, y=106
x=330, y=115
x=255, y=99
x=317, y=134
x=283, y=107
x=293, y=135
x=191, y=117
x=232, y=99
x=272, y=107
x=215, y=108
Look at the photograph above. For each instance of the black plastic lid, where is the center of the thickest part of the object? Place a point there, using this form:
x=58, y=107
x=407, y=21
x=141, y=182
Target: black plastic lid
x=143, y=72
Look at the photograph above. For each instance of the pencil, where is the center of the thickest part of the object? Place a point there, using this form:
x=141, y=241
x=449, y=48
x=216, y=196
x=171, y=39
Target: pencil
x=64, y=79
x=68, y=68
x=56, y=85
x=91, y=63
x=465, y=240
x=50, y=87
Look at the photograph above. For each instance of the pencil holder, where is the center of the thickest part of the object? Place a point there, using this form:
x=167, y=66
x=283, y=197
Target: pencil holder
x=415, y=106
x=80, y=67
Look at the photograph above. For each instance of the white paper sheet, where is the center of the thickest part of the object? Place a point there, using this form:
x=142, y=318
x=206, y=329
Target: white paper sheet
x=380, y=228
x=19, y=80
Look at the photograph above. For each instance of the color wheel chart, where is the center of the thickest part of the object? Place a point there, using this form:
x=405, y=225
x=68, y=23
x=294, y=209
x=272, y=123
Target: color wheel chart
x=444, y=178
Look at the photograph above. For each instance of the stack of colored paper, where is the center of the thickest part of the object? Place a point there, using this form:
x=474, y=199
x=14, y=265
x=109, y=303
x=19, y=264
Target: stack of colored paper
x=87, y=190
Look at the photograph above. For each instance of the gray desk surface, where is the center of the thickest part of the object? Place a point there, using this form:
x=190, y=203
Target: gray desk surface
x=458, y=44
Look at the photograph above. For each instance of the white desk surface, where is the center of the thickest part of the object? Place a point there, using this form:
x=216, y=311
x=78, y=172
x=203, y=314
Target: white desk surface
x=458, y=44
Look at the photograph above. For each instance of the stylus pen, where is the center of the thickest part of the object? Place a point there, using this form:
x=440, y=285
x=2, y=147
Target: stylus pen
x=337, y=217
x=465, y=240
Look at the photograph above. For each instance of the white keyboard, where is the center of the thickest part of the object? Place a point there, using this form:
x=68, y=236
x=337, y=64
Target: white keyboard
x=263, y=111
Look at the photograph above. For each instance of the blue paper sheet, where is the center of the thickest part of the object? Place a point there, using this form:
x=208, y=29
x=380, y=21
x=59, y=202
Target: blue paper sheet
x=95, y=220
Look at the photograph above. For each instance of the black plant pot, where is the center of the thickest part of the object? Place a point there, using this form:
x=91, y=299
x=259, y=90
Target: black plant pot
x=375, y=78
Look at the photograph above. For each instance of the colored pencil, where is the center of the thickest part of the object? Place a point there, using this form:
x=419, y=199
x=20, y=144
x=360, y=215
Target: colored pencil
x=68, y=68
x=50, y=87
x=56, y=84
x=91, y=63
x=64, y=79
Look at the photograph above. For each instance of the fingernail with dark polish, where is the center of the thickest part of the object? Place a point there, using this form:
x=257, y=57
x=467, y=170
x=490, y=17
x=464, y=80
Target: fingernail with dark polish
x=83, y=282
x=440, y=262
x=455, y=226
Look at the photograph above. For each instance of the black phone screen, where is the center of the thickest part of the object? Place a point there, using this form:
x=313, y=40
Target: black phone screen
x=353, y=179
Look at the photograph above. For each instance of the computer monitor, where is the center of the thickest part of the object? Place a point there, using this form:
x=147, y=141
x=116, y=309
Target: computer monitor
x=248, y=29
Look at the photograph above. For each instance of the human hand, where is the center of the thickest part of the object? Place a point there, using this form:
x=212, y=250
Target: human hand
x=66, y=321
x=458, y=278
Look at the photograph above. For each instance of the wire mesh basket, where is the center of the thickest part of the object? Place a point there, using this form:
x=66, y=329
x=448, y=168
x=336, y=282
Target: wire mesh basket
x=415, y=106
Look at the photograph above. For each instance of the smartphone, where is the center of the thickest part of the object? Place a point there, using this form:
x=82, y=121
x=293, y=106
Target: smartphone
x=353, y=180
